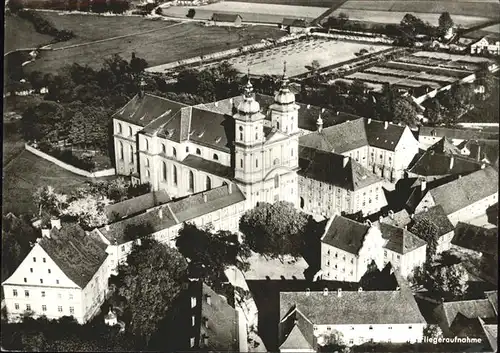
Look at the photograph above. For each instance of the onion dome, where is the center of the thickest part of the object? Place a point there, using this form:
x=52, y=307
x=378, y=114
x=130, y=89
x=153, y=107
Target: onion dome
x=248, y=105
x=284, y=95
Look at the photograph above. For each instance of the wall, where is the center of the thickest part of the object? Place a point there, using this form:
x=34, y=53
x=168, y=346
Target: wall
x=354, y=37
x=338, y=264
x=474, y=210
x=98, y=174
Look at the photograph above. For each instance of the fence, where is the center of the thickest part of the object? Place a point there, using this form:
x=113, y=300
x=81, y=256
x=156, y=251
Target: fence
x=68, y=167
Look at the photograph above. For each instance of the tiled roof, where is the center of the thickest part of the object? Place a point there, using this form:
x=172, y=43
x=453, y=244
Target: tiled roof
x=437, y=216
x=77, y=254
x=353, y=307
x=491, y=332
x=444, y=146
x=210, y=167
x=225, y=17
x=492, y=296
x=455, y=133
x=354, y=134
x=193, y=206
x=148, y=108
x=177, y=128
x=398, y=219
x=176, y=211
x=476, y=238
x=211, y=129
x=345, y=234
x=400, y=240
x=295, y=340
x=431, y=163
x=467, y=190
x=136, y=205
x=469, y=308
x=318, y=165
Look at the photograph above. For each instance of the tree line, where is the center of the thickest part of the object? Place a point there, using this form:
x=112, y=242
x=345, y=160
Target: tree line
x=95, y=6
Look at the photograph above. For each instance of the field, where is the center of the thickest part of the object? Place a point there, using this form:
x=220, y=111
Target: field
x=314, y=3
x=492, y=31
x=25, y=174
x=250, y=12
x=170, y=44
x=300, y=54
x=474, y=8
x=20, y=33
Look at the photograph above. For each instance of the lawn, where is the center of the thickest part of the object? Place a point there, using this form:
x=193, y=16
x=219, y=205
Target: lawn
x=159, y=47
x=20, y=33
x=262, y=267
x=300, y=54
x=25, y=174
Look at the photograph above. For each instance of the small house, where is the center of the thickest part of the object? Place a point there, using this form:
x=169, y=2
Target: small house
x=226, y=19
x=295, y=25
x=486, y=45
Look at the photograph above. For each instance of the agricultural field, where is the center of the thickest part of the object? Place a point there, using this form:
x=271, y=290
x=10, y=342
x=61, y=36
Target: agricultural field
x=299, y=55
x=20, y=34
x=475, y=8
x=177, y=42
x=314, y=3
x=250, y=12
x=491, y=31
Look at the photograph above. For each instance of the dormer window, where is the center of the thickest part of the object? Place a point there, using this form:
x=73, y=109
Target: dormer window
x=216, y=157
x=198, y=151
x=193, y=302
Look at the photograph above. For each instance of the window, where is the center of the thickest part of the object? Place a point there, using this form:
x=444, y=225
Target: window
x=25, y=280
x=146, y=144
x=119, y=128
x=191, y=342
x=256, y=136
x=390, y=327
x=44, y=307
x=385, y=253
x=59, y=295
x=164, y=171
x=59, y=309
x=198, y=151
x=241, y=136
x=336, y=255
x=57, y=281
x=328, y=328
x=123, y=248
x=174, y=151
x=71, y=310
x=409, y=327
x=26, y=294
x=120, y=151
x=241, y=163
x=130, y=133
x=371, y=327
x=351, y=341
x=278, y=125
x=71, y=296
x=193, y=302
x=191, y=181
x=14, y=292
x=216, y=157
x=175, y=175
x=208, y=184
x=34, y=259
x=41, y=281
x=31, y=270
x=28, y=307
x=163, y=148
x=43, y=260
x=43, y=294
x=131, y=153
x=256, y=163
x=397, y=257
x=276, y=181
x=16, y=306
x=187, y=149
x=193, y=320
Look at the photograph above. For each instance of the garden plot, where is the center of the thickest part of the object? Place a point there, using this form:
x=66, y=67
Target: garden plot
x=299, y=55
x=451, y=57
x=374, y=78
x=411, y=74
x=457, y=74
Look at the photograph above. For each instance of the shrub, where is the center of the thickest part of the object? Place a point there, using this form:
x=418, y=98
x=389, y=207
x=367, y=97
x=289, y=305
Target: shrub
x=68, y=157
x=45, y=27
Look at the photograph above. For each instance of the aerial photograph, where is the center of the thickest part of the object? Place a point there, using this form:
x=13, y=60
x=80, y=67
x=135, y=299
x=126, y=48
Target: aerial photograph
x=250, y=176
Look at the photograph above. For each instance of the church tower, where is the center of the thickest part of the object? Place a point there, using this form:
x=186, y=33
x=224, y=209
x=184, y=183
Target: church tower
x=284, y=111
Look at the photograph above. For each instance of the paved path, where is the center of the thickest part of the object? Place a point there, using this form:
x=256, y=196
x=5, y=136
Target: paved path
x=117, y=37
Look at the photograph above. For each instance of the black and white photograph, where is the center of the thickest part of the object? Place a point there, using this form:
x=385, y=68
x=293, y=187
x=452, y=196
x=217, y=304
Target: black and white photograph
x=235, y=176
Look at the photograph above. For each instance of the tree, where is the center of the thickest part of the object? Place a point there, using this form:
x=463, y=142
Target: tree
x=445, y=23
x=404, y=111
x=274, y=229
x=138, y=231
x=449, y=281
x=428, y=231
x=49, y=201
x=89, y=211
x=343, y=18
x=150, y=281
x=432, y=332
x=191, y=13
x=211, y=253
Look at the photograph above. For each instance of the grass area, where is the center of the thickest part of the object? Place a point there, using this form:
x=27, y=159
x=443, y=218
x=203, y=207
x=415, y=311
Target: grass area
x=160, y=47
x=13, y=144
x=25, y=174
x=20, y=33
x=313, y=3
x=491, y=31
x=262, y=267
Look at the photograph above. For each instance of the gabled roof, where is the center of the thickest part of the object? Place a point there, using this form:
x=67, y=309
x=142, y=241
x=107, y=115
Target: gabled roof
x=212, y=129
x=145, y=109
x=462, y=192
x=400, y=240
x=353, y=307
x=469, y=308
x=476, y=238
x=398, y=219
x=211, y=167
x=225, y=17
x=482, y=149
x=492, y=296
x=431, y=163
x=296, y=340
x=77, y=254
x=437, y=216
x=345, y=234
x=491, y=333
x=455, y=133
x=136, y=205
x=444, y=146
x=318, y=165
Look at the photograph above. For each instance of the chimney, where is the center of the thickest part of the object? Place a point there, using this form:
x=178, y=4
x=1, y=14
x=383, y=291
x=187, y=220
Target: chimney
x=205, y=340
x=344, y=161
x=319, y=124
x=45, y=233
x=160, y=213
x=325, y=292
x=360, y=289
x=229, y=188
x=209, y=299
x=423, y=185
x=107, y=227
x=426, y=208
x=380, y=218
x=322, y=110
x=308, y=292
x=55, y=223
x=339, y=292
x=386, y=124
x=483, y=166
x=391, y=214
x=337, y=112
x=308, y=106
x=216, y=104
x=204, y=198
x=230, y=100
x=205, y=322
x=479, y=153
x=452, y=160
x=369, y=120
x=405, y=227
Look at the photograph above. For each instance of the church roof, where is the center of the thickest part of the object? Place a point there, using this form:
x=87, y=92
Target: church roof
x=345, y=234
x=318, y=165
x=208, y=166
x=212, y=129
